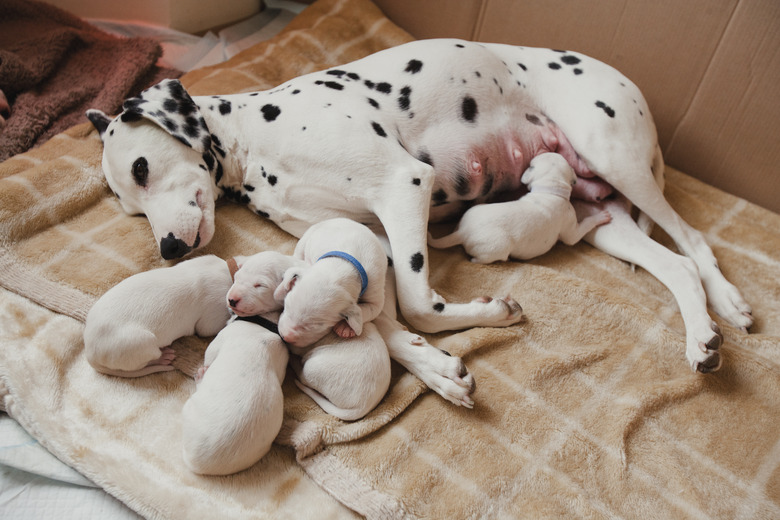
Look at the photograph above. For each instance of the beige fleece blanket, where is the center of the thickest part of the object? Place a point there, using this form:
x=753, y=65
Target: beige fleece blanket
x=588, y=409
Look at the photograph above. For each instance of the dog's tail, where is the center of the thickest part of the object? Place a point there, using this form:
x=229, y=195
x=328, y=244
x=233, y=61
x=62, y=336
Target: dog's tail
x=345, y=414
x=453, y=239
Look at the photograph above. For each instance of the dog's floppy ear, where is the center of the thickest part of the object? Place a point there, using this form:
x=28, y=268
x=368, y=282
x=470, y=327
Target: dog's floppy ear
x=288, y=281
x=99, y=119
x=354, y=318
x=170, y=106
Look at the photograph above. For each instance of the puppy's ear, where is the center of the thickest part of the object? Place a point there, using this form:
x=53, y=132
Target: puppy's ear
x=354, y=318
x=99, y=119
x=288, y=282
x=240, y=260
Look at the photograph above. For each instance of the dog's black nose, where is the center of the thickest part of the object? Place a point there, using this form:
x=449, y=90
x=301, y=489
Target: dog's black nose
x=232, y=303
x=172, y=247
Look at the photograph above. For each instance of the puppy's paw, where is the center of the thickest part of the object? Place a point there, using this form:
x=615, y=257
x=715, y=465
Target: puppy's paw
x=200, y=373
x=343, y=330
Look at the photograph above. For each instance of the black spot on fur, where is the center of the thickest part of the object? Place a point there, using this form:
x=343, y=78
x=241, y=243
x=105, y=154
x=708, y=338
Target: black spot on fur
x=459, y=45
x=522, y=66
x=417, y=261
x=170, y=125
x=424, y=156
x=577, y=71
x=554, y=66
x=373, y=103
x=128, y=116
x=468, y=109
x=438, y=307
x=270, y=112
x=403, y=99
x=191, y=127
x=209, y=160
x=606, y=108
x=439, y=197
x=140, y=171
x=378, y=129
x=206, y=141
x=413, y=67
x=249, y=187
x=170, y=105
x=353, y=76
x=384, y=88
x=225, y=107
x=296, y=91
x=370, y=84
x=272, y=180
x=262, y=213
x=534, y=120
x=570, y=60
x=336, y=72
x=335, y=85
x=416, y=181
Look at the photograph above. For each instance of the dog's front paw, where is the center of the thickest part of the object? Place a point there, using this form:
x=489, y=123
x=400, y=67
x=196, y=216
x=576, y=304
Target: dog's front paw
x=509, y=313
x=449, y=377
x=343, y=330
x=705, y=357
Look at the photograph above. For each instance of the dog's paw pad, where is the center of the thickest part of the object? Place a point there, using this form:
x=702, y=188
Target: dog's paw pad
x=710, y=364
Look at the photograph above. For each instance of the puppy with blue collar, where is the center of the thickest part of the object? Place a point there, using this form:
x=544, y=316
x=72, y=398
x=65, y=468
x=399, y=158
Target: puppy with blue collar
x=340, y=286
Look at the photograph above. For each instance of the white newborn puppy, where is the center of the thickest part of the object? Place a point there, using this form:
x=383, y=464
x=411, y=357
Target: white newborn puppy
x=346, y=377
x=341, y=287
x=529, y=226
x=236, y=412
x=130, y=326
x=255, y=281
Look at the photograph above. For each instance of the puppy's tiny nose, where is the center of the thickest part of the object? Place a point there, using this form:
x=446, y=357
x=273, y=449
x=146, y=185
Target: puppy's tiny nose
x=233, y=303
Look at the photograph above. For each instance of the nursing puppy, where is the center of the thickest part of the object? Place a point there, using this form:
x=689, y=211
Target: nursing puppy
x=340, y=287
x=130, y=326
x=530, y=226
x=236, y=412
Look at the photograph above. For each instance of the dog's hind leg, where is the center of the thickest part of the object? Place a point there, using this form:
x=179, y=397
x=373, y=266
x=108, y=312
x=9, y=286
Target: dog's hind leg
x=623, y=239
x=724, y=298
x=403, y=210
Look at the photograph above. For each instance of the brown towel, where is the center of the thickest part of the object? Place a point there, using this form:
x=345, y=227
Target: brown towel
x=54, y=66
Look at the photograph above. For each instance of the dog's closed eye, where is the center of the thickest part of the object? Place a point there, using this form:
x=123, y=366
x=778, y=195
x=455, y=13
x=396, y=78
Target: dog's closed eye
x=141, y=172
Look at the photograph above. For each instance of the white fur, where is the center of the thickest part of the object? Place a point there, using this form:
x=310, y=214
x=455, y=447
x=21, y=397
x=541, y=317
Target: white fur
x=528, y=227
x=130, y=325
x=320, y=294
x=316, y=148
x=236, y=412
x=258, y=276
x=346, y=377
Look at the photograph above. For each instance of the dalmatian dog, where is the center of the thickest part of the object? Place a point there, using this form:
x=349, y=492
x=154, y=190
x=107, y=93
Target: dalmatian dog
x=528, y=227
x=236, y=411
x=409, y=134
x=130, y=328
x=340, y=286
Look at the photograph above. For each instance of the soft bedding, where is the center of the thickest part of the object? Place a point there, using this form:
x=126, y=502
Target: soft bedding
x=588, y=409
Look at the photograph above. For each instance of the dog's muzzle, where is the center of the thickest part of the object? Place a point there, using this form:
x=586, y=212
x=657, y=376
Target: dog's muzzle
x=172, y=247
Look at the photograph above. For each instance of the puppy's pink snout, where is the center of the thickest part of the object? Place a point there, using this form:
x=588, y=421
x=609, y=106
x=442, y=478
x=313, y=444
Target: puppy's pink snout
x=233, y=302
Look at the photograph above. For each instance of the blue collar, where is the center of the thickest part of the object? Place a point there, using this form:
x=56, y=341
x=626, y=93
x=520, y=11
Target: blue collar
x=352, y=260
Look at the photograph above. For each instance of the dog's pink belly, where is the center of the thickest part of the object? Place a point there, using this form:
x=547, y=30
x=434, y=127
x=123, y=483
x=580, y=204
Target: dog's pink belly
x=495, y=165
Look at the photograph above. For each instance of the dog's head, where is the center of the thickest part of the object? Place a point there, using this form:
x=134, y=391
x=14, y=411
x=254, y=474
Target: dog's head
x=157, y=158
x=258, y=276
x=312, y=308
x=550, y=167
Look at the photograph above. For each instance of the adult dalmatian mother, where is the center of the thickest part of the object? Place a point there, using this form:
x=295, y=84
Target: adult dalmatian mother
x=409, y=133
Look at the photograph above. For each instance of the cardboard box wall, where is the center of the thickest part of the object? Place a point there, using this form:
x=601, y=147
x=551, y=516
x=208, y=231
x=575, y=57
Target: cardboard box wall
x=710, y=69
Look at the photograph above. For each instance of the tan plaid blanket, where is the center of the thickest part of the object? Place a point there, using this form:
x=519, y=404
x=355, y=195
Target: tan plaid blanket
x=588, y=409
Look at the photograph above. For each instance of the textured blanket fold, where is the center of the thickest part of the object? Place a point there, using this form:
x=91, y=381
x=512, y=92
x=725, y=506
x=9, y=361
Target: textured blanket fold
x=588, y=409
x=54, y=66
